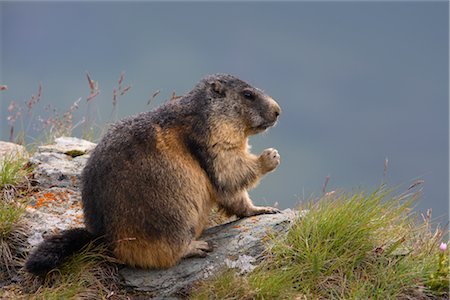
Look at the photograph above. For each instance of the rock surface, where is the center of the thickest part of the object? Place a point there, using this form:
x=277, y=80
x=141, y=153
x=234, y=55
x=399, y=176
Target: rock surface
x=69, y=145
x=10, y=149
x=60, y=164
x=238, y=244
x=56, y=205
x=52, y=210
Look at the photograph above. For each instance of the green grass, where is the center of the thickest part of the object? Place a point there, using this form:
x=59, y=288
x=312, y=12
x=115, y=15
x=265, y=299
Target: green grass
x=348, y=246
x=12, y=170
x=10, y=214
x=85, y=275
x=12, y=238
x=12, y=229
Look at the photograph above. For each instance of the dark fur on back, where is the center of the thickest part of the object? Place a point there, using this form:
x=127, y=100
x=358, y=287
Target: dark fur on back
x=55, y=249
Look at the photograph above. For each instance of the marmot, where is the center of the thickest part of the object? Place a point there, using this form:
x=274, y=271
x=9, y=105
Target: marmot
x=149, y=185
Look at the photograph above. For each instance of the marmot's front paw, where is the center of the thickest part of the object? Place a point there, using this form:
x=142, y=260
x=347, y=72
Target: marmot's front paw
x=259, y=210
x=270, y=159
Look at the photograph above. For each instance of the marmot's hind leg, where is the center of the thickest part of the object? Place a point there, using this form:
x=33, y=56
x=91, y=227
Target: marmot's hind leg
x=198, y=249
x=142, y=253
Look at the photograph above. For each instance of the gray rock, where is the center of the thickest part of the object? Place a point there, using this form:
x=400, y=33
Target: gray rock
x=57, y=169
x=57, y=204
x=11, y=150
x=69, y=145
x=51, y=211
x=60, y=165
x=238, y=244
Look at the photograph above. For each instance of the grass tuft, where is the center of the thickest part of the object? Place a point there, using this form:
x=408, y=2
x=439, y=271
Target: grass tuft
x=12, y=170
x=89, y=274
x=227, y=285
x=13, y=233
x=12, y=239
x=348, y=246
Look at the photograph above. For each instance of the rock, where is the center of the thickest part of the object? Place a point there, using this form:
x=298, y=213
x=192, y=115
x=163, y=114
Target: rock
x=53, y=210
x=69, y=145
x=57, y=169
x=238, y=244
x=56, y=205
x=60, y=164
x=12, y=150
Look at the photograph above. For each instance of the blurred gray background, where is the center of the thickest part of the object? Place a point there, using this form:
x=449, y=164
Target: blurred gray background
x=358, y=82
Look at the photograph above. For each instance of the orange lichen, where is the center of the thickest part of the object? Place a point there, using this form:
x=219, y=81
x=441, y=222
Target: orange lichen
x=51, y=198
x=45, y=199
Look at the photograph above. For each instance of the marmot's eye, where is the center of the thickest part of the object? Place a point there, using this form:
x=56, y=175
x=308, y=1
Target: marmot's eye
x=248, y=95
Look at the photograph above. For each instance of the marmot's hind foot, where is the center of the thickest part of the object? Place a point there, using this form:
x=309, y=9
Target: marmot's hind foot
x=198, y=249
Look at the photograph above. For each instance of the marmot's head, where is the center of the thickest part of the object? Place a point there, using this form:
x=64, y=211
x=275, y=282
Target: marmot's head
x=234, y=100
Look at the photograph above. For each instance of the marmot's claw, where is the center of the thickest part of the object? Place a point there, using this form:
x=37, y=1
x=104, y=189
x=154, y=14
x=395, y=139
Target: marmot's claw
x=198, y=249
x=260, y=210
x=210, y=247
x=273, y=210
x=206, y=246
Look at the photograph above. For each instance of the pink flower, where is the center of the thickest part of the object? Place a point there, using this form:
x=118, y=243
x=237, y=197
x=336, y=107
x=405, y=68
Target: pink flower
x=11, y=106
x=443, y=247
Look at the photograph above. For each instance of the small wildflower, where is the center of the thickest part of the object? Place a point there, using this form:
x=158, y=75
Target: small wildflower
x=330, y=193
x=11, y=106
x=443, y=247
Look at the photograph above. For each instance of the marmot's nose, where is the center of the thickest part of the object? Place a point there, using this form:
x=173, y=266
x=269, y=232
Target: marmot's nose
x=277, y=110
x=274, y=107
x=277, y=113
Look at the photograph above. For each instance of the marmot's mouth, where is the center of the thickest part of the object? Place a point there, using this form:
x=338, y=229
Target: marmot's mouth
x=264, y=126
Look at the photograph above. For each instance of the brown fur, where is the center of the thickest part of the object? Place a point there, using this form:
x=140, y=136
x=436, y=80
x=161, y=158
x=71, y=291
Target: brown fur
x=151, y=182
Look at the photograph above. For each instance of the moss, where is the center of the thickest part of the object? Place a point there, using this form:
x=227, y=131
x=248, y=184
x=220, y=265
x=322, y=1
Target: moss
x=74, y=153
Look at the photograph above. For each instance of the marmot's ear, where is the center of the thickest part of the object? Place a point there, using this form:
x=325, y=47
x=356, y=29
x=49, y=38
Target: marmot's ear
x=217, y=87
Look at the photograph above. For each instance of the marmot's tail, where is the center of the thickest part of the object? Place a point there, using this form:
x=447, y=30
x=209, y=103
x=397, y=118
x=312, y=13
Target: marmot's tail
x=52, y=251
